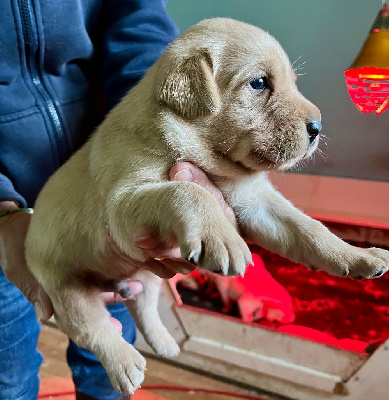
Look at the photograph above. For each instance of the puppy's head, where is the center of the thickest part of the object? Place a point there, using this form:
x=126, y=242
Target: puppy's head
x=233, y=88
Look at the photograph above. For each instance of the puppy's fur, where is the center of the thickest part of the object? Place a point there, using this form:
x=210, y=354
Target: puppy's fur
x=195, y=104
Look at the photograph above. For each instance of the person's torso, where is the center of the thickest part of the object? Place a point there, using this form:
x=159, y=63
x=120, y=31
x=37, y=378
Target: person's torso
x=48, y=69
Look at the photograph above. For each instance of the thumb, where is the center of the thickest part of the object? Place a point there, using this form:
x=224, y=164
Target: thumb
x=144, y=237
x=43, y=306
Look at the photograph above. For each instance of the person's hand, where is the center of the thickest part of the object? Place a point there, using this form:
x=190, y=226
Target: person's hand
x=164, y=261
x=13, y=231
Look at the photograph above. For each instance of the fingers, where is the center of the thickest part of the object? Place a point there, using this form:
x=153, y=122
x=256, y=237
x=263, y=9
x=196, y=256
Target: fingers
x=18, y=273
x=145, y=238
x=180, y=266
x=165, y=261
x=36, y=296
x=133, y=288
x=43, y=306
x=187, y=172
x=159, y=268
x=117, y=325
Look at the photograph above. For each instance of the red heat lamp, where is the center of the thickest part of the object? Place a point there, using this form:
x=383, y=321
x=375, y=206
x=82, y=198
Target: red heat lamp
x=367, y=78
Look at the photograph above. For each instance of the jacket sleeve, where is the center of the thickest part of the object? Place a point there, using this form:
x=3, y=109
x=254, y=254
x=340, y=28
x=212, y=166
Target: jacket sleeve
x=136, y=32
x=8, y=192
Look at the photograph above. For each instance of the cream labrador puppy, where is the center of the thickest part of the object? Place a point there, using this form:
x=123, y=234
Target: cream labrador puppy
x=223, y=97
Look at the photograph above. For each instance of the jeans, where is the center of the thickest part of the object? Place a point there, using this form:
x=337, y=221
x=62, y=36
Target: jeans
x=20, y=360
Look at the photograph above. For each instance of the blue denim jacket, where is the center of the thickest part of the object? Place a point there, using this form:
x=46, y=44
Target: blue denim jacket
x=56, y=58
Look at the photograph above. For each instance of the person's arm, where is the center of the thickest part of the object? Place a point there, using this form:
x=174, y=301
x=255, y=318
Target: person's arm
x=13, y=230
x=135, y=34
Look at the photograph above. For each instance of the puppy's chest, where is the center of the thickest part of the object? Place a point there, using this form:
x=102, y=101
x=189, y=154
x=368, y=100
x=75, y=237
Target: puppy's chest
x=244, y=194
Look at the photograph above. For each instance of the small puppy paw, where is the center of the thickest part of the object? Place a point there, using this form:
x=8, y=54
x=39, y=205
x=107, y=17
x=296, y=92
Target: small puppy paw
x=372, y=263
x=217, y=248
x=126, y=370
x=362, y=264
x=162, y=342
x=167, y=347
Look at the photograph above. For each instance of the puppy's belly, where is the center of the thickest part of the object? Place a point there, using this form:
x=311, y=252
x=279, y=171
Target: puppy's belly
x=67, y=229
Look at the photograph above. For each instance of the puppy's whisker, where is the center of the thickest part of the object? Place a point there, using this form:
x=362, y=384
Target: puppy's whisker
x=319, y=150
x=325, y=139
x=324, y=143
x=298, y=58
x=321, y=154
x=303, y=163
x=300, y=66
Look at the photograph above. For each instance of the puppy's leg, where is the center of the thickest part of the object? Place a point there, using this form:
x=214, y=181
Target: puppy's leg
x=81, y=314
x=184, y=210
x=268, y=219
x=223, y=284
x=144, y=309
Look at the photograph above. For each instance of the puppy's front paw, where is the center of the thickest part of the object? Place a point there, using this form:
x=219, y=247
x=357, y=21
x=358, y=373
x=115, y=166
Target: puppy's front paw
x=216, y=247
x=359, y=263
x=370, y=263
x=126, y=369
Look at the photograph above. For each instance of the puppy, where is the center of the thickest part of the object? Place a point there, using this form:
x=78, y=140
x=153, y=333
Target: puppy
x=223, y=96
x=257, y=294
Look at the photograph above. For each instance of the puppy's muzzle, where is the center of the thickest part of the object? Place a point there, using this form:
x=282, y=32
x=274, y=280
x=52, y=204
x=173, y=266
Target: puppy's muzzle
x=313, y=128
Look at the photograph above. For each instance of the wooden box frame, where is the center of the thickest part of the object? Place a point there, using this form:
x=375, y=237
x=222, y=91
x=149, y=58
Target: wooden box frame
x=277, y=362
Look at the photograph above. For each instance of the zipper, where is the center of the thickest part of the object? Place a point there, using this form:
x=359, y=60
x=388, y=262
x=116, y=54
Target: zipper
x=32, y=49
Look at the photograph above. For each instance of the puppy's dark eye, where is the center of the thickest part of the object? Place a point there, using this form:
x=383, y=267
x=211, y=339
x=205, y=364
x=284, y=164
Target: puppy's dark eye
x=259, y=84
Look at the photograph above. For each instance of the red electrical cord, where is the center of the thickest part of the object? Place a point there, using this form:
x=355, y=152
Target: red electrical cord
x=208, y=391
x=161, y=387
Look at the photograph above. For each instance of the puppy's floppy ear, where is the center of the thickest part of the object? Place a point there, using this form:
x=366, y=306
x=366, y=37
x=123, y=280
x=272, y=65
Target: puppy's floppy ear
x=190, y=88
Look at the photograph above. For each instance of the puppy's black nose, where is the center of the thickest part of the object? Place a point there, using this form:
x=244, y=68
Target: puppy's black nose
x=313, y=129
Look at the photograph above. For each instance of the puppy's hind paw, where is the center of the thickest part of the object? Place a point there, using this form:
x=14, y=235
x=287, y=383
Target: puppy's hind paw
x=164, y=344
x=126, y=371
